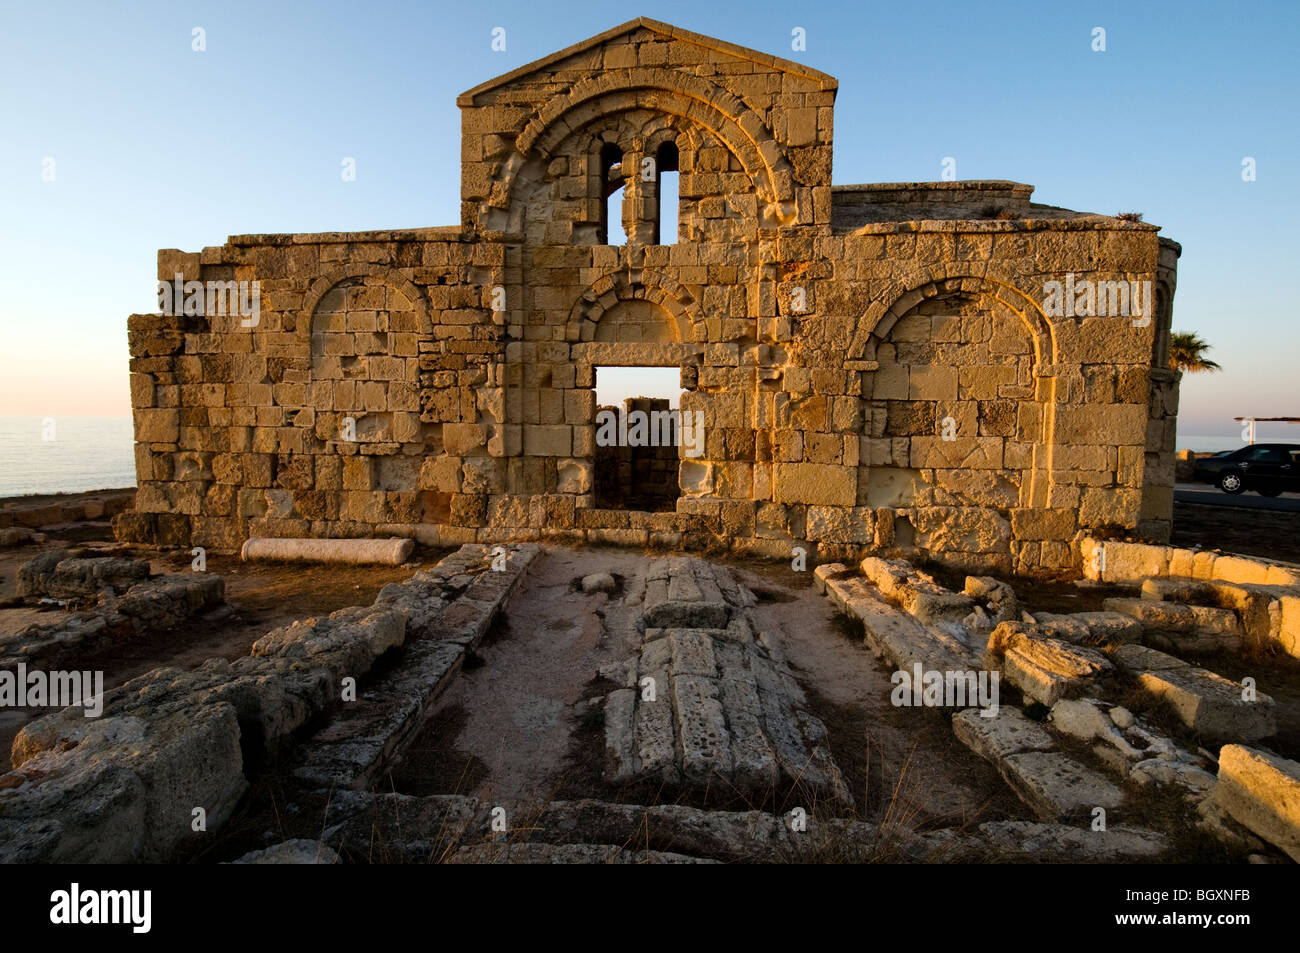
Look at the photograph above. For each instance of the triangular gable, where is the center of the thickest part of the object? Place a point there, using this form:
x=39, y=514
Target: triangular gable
x=668, y=31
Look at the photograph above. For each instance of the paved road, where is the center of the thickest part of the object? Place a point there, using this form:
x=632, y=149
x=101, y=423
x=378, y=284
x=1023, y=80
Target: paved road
x=1204, y=493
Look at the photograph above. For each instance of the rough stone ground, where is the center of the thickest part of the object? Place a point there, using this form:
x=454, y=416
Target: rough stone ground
x=899, y=760
x=513, y=710
x=259, y=596
x=520, y=727
x=515, y=729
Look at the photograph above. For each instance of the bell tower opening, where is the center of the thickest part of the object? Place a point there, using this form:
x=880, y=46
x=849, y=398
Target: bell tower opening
x=611, y=195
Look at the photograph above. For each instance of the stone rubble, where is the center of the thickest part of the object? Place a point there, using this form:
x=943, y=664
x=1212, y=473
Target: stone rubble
x=1069, y=663
x=890, y=632
x=1264, y=595
x=1045, y=669
x=170, y=741
x=122, y=603
x=397, y=828
x=1131, y=748
x=1090, y=628
x=726, y=711
x=59, y=574
x=296, y=851
x=1056, y=787
x=1184, y=628
x=22, y=514
x=448, y=610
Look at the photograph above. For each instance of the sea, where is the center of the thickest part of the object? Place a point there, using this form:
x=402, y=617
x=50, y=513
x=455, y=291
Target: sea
x=74, y=454
x=65, y=454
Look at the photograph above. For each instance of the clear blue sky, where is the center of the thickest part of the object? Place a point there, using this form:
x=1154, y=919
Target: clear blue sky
x=156, y=145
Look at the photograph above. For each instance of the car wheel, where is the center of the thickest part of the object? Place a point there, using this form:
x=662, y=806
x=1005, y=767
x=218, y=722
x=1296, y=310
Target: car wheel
x=1231, y=482
x=1269, y=491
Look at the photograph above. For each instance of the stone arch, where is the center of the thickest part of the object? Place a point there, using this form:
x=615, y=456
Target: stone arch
x=361, y=328
x=694, y=98
x=1007, y=431
x=622, y=286
x=945, y=280
x=327, y=281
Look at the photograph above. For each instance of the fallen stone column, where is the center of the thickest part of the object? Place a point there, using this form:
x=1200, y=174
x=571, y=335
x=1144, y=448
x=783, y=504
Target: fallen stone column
x=388, y=552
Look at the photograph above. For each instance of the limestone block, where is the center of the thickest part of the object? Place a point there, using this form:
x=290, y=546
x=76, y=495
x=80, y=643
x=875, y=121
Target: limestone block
x=1109, y=561
x=838, y=524
x=1261, y=791
x=1085, y=423
x=1240, y=569
x=460, y=440
x=1007, y=733
x=548, y=440
x=961, y=529
x=1099, y=628
x=1057, y=787
x=915, y=591
x=1176, y=617
x=1289, y=625
x=933, y=382
x=966, y=453
x=1043, y=668
x=815, y=483
x=157, y=425
x=891, y=632
x=440, y=473
x=1042, y=523
x=891, y=382
x=574, y=476
x=1209, y=704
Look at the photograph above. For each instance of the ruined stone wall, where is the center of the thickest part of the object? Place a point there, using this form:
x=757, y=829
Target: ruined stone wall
x=875, y=364
x=1155, y=520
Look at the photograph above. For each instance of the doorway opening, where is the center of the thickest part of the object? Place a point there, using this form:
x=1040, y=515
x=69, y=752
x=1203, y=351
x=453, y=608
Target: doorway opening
x=639, y=438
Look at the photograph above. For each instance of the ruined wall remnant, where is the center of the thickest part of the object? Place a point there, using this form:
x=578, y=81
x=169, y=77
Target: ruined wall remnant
x=945, y=366
x=639, y=473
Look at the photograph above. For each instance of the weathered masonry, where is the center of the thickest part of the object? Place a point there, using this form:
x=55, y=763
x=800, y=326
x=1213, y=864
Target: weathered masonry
x=880, y=366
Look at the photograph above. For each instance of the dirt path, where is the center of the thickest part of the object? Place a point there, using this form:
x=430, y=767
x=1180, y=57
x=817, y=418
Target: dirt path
x=505, y=726
x=903, y=764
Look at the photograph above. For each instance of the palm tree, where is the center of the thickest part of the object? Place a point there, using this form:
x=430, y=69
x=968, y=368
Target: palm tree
x=1187, y=353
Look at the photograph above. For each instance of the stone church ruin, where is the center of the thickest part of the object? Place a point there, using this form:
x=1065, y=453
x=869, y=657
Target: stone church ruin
x=878, y=366
x=916, y=397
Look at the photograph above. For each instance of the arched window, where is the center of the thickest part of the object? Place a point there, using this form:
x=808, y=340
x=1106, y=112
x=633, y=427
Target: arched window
x=611, y=195
x=666, y=193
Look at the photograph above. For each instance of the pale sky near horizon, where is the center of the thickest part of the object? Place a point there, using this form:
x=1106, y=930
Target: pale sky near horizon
x=155, y=145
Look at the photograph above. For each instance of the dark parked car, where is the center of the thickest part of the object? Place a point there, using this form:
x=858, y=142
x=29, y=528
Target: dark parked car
x=1267, y=468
